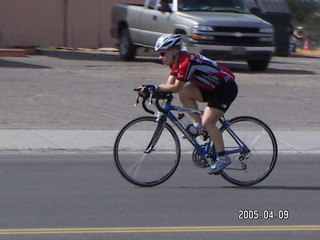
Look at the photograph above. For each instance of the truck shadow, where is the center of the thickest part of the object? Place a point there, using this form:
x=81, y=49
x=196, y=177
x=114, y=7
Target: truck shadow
x=16, y=64
x=241, y=67
x=78, y=55
x=95, y=56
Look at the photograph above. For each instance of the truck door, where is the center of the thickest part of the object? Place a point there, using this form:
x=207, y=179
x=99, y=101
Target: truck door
x=151, y=23
x=164, y=20
x=148, y=23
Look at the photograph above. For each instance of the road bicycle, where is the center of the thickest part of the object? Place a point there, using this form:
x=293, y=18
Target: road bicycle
x=147, y=150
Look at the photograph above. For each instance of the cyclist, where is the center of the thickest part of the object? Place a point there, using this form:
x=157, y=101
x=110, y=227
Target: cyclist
x=209, y=83
x=297, y=38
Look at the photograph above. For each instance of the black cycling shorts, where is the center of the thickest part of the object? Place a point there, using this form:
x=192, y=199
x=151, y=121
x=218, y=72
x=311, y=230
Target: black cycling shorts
x=221, y=97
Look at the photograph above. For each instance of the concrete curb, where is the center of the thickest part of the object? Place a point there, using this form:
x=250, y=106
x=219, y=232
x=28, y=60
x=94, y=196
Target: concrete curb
x=103, y=140
x=13, y=53
x=17, y=52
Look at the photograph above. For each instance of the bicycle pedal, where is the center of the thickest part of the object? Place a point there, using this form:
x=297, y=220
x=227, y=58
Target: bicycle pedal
x=205, y=137
x=204, y=134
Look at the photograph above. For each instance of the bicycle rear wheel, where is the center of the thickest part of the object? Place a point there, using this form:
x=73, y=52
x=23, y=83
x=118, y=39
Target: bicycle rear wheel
x=147, y=152
x=252, y=164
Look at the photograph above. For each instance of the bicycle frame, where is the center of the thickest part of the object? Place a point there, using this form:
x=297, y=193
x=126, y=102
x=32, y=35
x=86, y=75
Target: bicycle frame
x=202, y=150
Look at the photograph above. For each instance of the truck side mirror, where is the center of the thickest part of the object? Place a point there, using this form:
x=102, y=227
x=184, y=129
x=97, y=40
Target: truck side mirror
x=165, y=7
x=255, y=11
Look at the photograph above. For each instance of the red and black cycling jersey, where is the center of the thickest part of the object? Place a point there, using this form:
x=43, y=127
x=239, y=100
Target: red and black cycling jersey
x=201, y=71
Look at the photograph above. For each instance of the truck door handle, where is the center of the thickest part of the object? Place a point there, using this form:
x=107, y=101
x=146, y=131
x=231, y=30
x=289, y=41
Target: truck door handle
x=154, y=18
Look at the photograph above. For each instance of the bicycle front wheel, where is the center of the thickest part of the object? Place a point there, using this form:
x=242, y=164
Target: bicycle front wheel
x=147, y=152
x=257, y=151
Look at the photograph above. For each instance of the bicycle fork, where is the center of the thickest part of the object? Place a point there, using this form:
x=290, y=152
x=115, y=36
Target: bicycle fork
x=156, y=135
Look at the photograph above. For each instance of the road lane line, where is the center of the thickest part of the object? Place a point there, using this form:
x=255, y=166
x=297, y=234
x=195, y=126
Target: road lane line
x=159, y=229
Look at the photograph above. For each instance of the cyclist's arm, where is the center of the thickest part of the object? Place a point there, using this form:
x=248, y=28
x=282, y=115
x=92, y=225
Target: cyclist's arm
x=173, y=85
x=171, y=79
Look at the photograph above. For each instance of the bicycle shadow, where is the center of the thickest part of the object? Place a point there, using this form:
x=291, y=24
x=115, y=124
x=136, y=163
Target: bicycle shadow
x=251, y=188
x=296, y=188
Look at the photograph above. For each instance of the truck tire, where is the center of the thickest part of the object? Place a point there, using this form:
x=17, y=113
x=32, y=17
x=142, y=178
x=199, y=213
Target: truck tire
x=184, y=44
x=126, y=48
x=258, y=65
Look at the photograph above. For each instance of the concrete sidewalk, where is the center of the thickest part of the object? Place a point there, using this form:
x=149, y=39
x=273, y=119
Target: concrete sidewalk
x=103, y=140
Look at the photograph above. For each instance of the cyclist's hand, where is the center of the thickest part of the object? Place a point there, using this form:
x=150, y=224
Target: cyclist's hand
x=147, y=90
x=142, y=91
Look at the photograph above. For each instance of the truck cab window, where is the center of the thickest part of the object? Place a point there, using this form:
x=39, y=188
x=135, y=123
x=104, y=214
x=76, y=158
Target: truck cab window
x=212, y=5
x=152, y=4
x=165, y=5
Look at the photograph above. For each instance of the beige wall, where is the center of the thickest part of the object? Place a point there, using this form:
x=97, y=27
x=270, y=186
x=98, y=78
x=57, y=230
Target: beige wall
x=30, y=22
x=71, y=23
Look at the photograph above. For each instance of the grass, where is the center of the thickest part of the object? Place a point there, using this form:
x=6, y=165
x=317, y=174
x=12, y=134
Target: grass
x=46, y=48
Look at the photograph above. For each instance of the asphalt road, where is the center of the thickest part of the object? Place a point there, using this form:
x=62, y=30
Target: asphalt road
x=82, y=196
x=75, y=196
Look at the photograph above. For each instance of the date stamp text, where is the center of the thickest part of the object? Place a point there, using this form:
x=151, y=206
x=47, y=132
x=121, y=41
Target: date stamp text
x=267, y=214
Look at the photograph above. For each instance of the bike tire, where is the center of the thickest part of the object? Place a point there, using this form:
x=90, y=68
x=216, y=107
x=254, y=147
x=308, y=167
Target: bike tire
x=135, y=163
x=257, y=164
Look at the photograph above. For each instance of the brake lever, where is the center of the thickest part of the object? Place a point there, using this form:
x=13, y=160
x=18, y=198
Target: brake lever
x=150, y=98
x=137, y=101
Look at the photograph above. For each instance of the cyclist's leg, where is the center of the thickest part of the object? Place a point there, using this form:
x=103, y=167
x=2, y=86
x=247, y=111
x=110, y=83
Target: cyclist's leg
x=209, y=121
x=219, y=101
x=189, y=95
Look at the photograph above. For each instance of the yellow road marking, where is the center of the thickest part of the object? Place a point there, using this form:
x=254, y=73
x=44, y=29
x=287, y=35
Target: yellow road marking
x=158, y=229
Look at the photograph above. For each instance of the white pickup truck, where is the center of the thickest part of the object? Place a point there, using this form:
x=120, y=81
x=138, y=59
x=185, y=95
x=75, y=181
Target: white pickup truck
x=221, y=29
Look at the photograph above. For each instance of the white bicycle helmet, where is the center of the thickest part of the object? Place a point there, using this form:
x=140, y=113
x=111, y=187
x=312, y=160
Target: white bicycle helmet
x=168, y=41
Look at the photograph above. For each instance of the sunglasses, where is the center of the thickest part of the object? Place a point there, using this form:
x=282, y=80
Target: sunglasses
x=162, y=54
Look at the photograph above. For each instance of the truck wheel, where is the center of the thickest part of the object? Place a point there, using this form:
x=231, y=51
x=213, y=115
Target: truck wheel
x=258, y=65
x=184, y=44
x=126, y=48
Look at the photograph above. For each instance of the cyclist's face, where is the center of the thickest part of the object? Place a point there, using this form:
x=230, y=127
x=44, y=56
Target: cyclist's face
x=166, y=57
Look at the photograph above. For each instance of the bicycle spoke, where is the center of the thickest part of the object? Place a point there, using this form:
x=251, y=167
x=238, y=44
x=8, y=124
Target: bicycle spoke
x=136, y=166
x=250, y=168
x=159, y=146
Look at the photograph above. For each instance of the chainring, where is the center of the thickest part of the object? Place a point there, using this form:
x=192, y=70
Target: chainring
x=199, y=161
